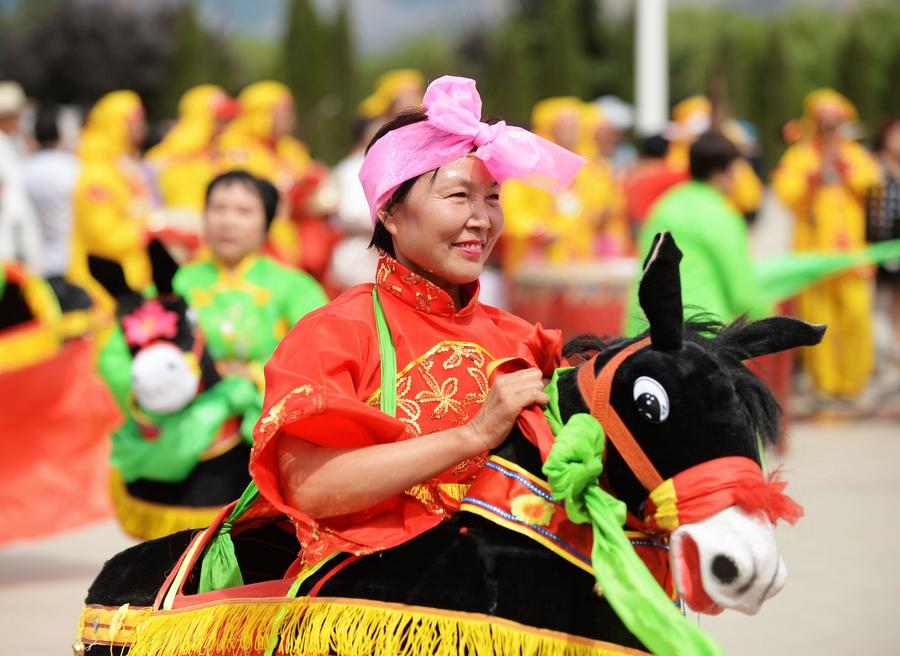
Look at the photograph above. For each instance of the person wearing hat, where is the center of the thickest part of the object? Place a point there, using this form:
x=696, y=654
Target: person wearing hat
x=824, y=179
x=112, y=198
x=20, y=237
x=351, y=263
x=351, y=477
x=395, y=91
x=260, y=141
x=187, y=158
x=692, y=117
x=571, y=225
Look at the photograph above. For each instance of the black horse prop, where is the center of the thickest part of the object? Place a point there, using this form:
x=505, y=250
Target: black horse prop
x=508, y=574
x=165, y=377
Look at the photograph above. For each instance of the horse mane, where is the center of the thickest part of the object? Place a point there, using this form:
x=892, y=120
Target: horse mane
x=726, y=344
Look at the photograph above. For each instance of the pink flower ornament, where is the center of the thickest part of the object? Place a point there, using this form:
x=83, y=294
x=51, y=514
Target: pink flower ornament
x=148, y=323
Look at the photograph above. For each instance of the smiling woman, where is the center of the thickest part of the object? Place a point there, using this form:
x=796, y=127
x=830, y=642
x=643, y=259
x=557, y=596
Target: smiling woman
x=354, y=478
x=462, y=203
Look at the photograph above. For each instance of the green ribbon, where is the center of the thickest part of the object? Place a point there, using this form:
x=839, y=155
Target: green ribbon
x=782, y=277
x=573, y=469
x=220, y=568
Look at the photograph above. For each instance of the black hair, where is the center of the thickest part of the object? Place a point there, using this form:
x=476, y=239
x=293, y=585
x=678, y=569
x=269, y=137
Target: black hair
x=268, y=194
x=381, y=238
x=46, y=126
x=711, y=153
x=655, y=146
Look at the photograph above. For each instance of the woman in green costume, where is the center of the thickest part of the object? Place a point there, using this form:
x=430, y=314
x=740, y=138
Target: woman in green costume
x=186, y=366
x=245, y=301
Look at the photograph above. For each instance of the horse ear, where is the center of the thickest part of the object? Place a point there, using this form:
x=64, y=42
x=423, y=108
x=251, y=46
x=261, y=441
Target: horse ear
x=660, y=293
x=777, y=334
x=163, y=265
x=109, y=274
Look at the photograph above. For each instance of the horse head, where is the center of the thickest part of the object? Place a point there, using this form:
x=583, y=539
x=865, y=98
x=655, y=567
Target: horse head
x=685, y=420
x=170, y=363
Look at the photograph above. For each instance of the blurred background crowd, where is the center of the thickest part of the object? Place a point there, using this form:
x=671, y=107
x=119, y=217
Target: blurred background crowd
x=114, y=117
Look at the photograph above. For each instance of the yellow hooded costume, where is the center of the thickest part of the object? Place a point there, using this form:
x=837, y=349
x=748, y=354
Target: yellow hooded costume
x=389, y=88
x=248, y=143
x=828, y=206
x=187, y=158
x=692, y=117
x=563, y=228
x=111, y=197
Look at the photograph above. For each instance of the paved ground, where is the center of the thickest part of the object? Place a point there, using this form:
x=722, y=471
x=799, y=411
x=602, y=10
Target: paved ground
x=841, y=597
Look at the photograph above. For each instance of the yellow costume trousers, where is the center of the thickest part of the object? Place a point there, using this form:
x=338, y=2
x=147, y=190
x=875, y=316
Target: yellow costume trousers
x=842, y=363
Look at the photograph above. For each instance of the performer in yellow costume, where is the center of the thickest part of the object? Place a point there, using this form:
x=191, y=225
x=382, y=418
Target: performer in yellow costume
x=112, y=198
x=259, y=141
x=823, y=178
x=561, y=228
x=396, y=90
x=187, y=158
x=693, y=117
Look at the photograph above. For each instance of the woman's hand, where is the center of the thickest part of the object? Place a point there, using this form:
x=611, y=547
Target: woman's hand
x=510, y=394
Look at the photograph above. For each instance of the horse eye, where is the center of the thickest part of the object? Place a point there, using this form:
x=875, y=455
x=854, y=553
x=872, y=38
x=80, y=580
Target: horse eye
x=651, y=400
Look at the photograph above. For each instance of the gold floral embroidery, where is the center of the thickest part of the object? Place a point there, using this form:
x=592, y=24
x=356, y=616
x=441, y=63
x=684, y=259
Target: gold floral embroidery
x=423, y=302
x=477, y=398
x=279, y=415
x=460, y=350
x=444, y=394
x=386, y=267
x=409, y=406
x=476, y=462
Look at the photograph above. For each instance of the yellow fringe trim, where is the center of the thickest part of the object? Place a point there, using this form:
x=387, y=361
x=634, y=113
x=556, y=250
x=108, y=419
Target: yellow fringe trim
x=146, y=520
x=349, y=627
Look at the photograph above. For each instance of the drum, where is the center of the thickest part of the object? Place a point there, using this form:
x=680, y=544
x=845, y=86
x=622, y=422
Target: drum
x=577, y=298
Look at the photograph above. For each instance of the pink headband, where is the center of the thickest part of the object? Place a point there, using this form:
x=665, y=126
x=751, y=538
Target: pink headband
x=452, y=130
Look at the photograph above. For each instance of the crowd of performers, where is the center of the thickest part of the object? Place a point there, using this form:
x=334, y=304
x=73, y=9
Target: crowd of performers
x=253, y=233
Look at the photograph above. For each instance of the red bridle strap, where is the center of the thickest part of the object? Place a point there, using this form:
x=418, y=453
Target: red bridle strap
x=596, y=391
x=710, y=487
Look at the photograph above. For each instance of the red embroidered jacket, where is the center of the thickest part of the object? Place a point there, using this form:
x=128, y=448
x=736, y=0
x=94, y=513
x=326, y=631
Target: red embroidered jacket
x=323, y=386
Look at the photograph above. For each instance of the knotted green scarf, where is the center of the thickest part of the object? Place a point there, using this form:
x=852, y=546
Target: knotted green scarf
x=573, y=470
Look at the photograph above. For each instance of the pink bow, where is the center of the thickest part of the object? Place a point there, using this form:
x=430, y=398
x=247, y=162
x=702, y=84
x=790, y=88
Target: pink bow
x=452, y=130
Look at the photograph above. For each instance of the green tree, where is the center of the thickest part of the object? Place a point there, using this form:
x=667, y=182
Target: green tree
x=305, y=69
x=509, y=80
x=859, y=83
x=892, y=97
x=344, y=94
x=562, y=64
x=774, y=104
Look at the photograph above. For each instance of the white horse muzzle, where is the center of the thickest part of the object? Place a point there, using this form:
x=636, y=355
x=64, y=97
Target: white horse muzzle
x=728, y=561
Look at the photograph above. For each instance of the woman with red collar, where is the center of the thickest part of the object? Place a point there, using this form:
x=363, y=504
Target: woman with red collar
x=350, y=476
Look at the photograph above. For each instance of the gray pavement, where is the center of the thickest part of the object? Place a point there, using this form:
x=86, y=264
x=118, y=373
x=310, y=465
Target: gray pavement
x=841, y=596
